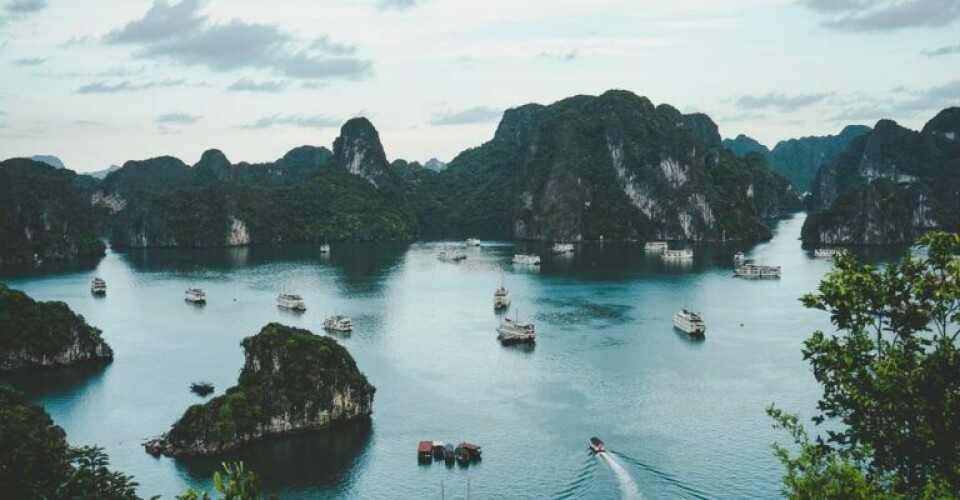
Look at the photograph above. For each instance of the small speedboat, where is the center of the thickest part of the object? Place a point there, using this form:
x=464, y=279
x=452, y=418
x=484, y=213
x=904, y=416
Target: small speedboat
x=596, y=445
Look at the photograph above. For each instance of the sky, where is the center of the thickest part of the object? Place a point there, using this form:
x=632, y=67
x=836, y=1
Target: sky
x=101, y=82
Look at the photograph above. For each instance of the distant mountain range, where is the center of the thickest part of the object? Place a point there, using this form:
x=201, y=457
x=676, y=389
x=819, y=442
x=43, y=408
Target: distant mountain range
x=799, y=159
x=51, y=160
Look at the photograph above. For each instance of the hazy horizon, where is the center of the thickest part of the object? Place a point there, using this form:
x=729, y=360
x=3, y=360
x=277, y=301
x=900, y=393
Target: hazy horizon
x=104, y=82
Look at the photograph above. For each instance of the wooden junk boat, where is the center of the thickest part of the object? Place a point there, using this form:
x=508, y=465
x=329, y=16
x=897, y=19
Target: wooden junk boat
x=425, y=452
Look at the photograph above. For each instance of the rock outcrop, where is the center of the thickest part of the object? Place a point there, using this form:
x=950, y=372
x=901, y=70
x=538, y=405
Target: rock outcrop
x=358, y=149
x=890, y=186
x=45, y=214
x=292, y=381
x=45, y=334
x=798, y=160
x=612, y=166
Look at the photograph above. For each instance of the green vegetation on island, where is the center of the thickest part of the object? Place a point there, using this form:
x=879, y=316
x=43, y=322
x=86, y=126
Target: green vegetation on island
x=890, y=186
x=45, y=214
x=37, y=462
x=891, y=394
x=292, y=381
x=43, y=334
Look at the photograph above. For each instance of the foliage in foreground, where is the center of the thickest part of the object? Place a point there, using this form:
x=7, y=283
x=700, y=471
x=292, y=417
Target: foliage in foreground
x=890, y=380
x=235, y=483
x=37, y=462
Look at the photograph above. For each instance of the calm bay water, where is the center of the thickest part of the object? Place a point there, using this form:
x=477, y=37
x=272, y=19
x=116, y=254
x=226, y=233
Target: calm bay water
x=683, y=419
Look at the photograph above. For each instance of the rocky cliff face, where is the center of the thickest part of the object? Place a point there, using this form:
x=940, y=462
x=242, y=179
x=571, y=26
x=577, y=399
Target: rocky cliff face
x=358, y=149
x=45, y=334
x=292, y=381
x=618, y=167
x=798, y=160
x=45, y=214
x=889, y=186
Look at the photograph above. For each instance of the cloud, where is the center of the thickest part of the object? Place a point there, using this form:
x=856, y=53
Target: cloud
x=943, y=51
x=89, y=123
x=781, y=102
x=247, y=85
x=181, y=34
x=177, y=118
x=13, y=10
x=933, y=98
x=78, y=41
x=561, y=56
x=326, y=45
x=30, y=61
x=314, y=121
x=397, y=4
x=886, y=15
x=162, y=22
x=476, y=114
x=104, y=87
x=24, y=7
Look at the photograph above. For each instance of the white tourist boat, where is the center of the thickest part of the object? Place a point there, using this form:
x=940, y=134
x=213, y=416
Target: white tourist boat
x=526, y=260
x=685, y=254
x=827, y=253
x=338, y=323
x=195, y=295
x=501, y=298
x=291, y=301
x=690, y=323
x=98, y=286
x=513, y=330
x=473, y=242
x=325, y=248
x=655, y=246
x=451, y=254
x=757, y=271
x=739, y=259
x=559, y=248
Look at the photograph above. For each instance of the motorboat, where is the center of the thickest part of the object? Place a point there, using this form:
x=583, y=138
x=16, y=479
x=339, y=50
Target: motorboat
x=596, y=445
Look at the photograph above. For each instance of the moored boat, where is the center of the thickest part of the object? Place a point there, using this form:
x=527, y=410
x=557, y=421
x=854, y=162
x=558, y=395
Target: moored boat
x=449, y=453
x=473, y=450
x=425, y=452
x=685, y=254
x=526, y=259
x=512, y=330
x=596, y=445
x=473, y=242
x=195, y=295
x=338, y=323
x=560, y=248
x=98, y=286
x=438, y=450
x=501, y=298
x=325, y=248
x=757, y=271
x=655, y=246
x=690, y=323
x=463, y=456
x=201, y=388
x=291, y=301
x=827, y=253
x=451, y=254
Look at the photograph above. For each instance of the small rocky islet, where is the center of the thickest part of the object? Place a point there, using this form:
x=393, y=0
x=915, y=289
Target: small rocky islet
x=292, y=381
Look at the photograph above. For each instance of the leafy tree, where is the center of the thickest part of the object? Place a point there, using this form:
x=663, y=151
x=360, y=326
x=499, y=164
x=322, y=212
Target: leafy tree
x=235, y=483
x=890, y=377
x=37, y=462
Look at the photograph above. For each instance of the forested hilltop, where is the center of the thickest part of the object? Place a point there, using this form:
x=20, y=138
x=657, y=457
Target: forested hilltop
x=45, y=213
x=612, y=166
x=890, y=185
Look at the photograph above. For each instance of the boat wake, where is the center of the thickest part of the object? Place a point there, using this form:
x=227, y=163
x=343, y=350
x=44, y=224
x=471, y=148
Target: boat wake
x=671, y=482
x=628, y=487
x=580, y=484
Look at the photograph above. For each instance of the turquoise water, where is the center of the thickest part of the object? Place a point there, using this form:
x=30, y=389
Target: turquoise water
x=682, y=418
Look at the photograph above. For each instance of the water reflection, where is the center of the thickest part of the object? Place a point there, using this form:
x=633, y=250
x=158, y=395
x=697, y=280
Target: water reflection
x=312, y=460
x=54, y=383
